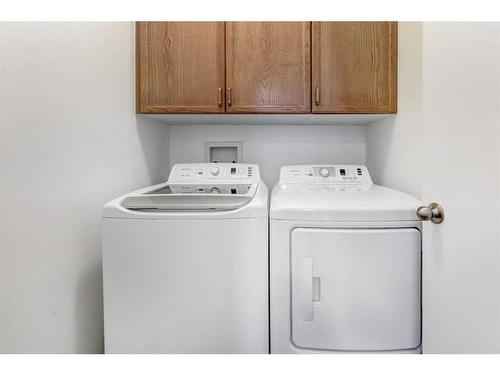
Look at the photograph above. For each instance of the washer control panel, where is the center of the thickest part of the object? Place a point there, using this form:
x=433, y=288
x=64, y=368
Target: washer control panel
x=214, y=172
x=213, y=178
x=326, y=174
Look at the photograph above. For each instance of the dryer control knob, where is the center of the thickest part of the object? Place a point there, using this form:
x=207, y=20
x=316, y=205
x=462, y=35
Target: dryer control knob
x=215, y=190
x=324, y=172
x=214, y=171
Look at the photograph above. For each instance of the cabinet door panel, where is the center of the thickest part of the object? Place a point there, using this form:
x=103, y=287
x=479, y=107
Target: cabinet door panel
x=180, y=67
x=268, y=67
x=354, y=67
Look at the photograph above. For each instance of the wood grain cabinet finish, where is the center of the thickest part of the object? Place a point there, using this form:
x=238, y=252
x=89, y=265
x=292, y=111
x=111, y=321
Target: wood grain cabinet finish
x=268, y=67
x=180, y=67
x=265, y=67
x=354, y=67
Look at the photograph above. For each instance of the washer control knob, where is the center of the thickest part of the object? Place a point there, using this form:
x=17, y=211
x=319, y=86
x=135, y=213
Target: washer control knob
x=324, y=172
x=215, y=190
x=214, y=171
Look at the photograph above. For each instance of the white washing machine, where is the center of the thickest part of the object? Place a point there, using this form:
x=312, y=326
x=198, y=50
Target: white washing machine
x=185, y=264
x=345, y=263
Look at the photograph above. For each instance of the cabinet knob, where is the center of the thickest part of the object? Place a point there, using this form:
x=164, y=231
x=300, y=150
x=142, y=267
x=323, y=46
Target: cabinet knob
x=229, y=97
x=317, y=96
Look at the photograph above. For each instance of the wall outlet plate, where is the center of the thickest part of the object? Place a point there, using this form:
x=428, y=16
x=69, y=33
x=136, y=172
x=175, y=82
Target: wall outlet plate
x=224, y=152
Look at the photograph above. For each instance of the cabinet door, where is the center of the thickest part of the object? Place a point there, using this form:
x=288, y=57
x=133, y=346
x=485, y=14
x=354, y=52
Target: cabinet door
x=354, y=67
x=268, y=67
x=180, y=67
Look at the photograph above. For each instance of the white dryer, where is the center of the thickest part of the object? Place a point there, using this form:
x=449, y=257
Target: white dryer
x=185, y=264
x=345, y=263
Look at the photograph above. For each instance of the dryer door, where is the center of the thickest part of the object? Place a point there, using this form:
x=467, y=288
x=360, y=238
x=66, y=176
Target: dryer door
x=356, y=289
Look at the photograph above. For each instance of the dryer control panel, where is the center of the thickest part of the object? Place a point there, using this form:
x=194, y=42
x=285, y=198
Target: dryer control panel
x=326, y=174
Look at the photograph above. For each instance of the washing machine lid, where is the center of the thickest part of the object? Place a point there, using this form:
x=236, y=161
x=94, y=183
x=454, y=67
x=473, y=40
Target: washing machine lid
x=199, y=187
x=337, y=193
x=176, y=198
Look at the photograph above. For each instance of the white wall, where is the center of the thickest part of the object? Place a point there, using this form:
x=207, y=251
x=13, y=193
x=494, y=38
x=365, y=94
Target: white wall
x=69, y=141
x=393, y=144
x=272, y=146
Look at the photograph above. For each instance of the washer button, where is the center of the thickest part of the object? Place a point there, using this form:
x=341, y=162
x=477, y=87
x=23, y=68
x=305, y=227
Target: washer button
x=324, y=172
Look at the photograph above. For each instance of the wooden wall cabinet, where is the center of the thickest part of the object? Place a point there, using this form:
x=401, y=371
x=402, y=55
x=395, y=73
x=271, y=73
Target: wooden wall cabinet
x=180, y=67
x=265, y=67
x=268, y=67
x=354, y=67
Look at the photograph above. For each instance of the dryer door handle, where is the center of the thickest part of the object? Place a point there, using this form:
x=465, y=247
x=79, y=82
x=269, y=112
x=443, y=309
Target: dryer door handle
x=316, y=292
